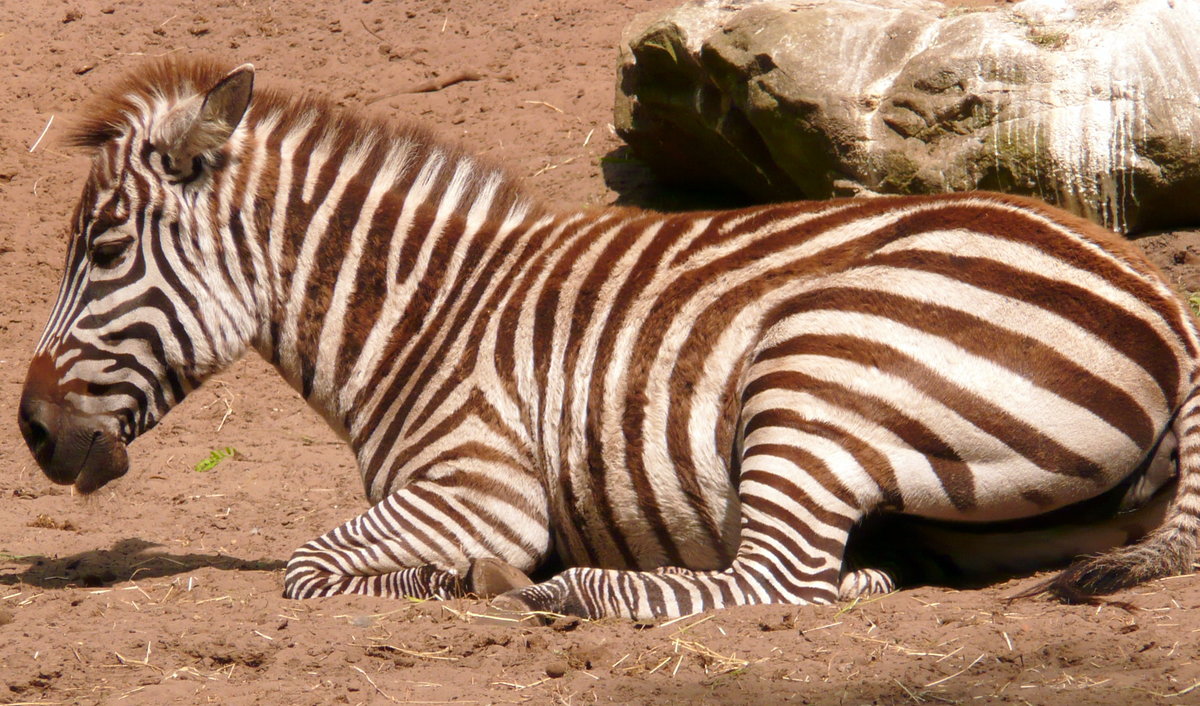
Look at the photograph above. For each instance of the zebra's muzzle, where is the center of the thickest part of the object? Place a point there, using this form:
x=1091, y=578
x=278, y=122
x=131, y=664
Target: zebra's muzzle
x=71, y=448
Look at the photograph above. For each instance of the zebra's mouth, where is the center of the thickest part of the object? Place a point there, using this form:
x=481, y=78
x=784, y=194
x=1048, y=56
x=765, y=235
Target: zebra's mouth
x=70, y=448
x=106, y=459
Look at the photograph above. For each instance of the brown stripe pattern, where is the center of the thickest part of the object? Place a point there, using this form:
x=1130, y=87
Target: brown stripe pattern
x=724, y=394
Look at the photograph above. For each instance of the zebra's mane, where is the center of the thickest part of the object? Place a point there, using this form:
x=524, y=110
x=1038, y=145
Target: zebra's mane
x=110, y=114
x=119, y=110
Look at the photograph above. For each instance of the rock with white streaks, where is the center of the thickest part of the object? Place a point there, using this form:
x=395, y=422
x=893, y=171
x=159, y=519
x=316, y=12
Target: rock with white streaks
x=1090, y=104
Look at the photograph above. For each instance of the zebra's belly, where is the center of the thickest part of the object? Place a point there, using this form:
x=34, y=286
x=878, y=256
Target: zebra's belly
x=1008, y=489
x=654, y=518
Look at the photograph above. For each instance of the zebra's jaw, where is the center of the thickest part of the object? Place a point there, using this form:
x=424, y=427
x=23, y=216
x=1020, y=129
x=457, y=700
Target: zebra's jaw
x=71, y=448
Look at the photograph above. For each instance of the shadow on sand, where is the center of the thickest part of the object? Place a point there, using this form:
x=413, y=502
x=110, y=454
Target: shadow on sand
x=126, y=560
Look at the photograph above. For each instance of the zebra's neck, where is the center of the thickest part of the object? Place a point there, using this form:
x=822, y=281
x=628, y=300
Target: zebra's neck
x=369, y=240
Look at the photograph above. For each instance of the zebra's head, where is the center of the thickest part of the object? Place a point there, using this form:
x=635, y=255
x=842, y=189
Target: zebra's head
x=145, y=310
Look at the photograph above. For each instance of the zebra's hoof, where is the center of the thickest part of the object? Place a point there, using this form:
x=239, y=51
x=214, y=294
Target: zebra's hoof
x=550, y=599
x=492, y=577
x=511, y=609
x=862, y=583
x=514, y=602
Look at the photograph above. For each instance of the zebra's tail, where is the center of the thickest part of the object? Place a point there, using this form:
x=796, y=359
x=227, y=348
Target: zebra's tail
x=1167, y=551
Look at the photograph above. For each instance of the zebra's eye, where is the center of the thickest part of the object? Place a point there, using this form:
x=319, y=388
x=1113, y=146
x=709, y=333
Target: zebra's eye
x=106, y=251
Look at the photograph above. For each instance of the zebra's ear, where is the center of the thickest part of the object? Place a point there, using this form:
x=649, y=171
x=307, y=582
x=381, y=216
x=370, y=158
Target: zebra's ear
x=200, y=125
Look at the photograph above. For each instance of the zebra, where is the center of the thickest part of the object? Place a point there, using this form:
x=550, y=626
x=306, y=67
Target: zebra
x=691, y=411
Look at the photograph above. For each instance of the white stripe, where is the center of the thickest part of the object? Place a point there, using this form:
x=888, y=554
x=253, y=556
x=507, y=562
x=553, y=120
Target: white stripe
x=398, y=294
x=224, y=202
x=306, y=262
x=279, y=214
x=320, y=154
x=254, y=239
x=330, y=350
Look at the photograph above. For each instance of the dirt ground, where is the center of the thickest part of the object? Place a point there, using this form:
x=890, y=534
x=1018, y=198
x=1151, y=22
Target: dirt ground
x=165, y=586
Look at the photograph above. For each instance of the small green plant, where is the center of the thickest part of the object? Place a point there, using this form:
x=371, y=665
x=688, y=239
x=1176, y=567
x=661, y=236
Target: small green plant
x=214, y=458
x=1193, y=301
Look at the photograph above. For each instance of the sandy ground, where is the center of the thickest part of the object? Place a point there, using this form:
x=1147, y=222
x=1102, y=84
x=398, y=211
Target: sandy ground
x=164, y=587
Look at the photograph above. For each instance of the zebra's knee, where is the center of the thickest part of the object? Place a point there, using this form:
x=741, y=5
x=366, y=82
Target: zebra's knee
x=305, y=577
x=313, y=573
x=755, y=583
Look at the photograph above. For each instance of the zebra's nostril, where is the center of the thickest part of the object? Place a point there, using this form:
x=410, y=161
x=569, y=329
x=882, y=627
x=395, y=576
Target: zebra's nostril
x=37, y=436
x=34, y=429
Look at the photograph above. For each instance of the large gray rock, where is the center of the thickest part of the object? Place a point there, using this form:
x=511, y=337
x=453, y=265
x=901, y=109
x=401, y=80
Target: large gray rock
x=1091, y=104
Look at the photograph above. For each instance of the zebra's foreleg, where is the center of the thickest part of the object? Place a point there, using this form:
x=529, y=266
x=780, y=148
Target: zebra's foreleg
x=793, y=537
x=759, y=575
x=425, y=541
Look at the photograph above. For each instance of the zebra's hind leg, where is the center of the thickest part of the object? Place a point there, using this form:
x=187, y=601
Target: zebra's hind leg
x=423, y=541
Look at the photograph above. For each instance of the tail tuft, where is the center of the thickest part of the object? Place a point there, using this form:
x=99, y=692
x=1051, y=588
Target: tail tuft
x=1169, y=550
x=1166, y=552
